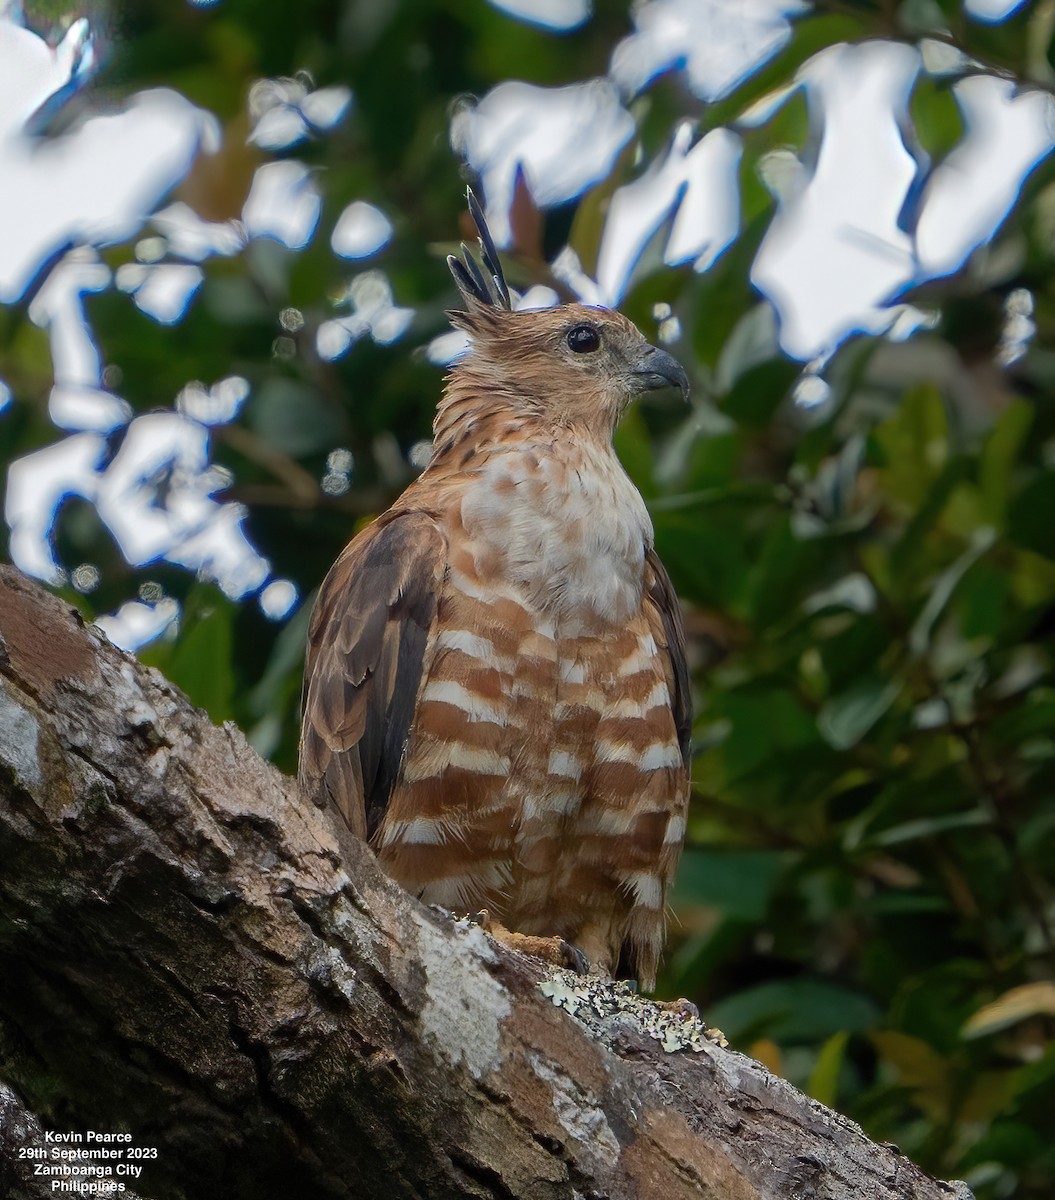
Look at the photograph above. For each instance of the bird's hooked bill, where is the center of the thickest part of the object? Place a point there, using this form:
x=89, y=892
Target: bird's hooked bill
x=657, y=369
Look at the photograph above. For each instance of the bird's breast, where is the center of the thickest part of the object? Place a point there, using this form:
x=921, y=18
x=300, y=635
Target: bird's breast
x=567, y=530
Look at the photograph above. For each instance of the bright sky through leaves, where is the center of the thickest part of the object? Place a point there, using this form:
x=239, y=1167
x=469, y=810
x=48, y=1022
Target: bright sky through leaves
x=842, y=245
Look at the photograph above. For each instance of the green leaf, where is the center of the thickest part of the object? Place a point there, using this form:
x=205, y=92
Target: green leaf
x=846, y=718
x=941, y=593
x=765, y=724
x=697, y=958
x=634, y=448
x=1018, y=1004
x=1029, y=515
x=911, y=556
x=276, y=695
x=784, y=564
x=707, y=565
x=824, y=1078
x=915, y=441
x=998, y=458
x=200, y=661
x=936, y=116
x=793, y=1010
x=983, y=600
x=759, y=390
x=925, y=827
x=919, y=1066
x=752, y=343
x=737, y=882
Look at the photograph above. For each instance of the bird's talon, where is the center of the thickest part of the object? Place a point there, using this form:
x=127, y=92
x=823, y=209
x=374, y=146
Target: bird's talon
x=574, y=959
x=680, y=1008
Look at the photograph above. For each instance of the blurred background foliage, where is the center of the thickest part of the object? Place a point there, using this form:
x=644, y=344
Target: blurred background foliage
x=865, y=901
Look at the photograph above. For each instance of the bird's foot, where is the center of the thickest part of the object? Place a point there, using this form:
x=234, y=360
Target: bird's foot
x=687, y=1016
x=554, y=950
x=679, y=1008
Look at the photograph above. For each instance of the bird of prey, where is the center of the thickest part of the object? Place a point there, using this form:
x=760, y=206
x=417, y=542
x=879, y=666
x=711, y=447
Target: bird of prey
x=495, y=695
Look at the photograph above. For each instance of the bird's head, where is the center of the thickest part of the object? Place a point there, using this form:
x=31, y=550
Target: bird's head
x=573, y=364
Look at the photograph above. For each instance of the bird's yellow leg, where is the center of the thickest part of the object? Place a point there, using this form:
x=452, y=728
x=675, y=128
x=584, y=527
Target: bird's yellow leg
x=553, y=950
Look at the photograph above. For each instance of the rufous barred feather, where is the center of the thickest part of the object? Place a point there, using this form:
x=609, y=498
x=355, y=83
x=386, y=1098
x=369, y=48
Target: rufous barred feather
x=496, y=695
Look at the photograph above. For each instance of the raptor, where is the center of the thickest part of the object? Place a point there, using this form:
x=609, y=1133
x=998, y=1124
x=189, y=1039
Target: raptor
x=496, y=695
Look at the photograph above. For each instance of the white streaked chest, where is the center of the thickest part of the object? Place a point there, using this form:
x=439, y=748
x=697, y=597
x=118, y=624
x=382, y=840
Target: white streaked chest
x=568, y=532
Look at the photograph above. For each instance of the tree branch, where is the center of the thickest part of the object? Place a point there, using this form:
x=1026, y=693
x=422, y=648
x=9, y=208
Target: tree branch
x=186, y=954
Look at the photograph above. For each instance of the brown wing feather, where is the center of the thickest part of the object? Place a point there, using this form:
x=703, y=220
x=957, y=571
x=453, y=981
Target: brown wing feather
x=366, y=652
x=670, y=635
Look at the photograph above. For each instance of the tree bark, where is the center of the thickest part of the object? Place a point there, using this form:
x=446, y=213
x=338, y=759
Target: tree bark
x=187, y=955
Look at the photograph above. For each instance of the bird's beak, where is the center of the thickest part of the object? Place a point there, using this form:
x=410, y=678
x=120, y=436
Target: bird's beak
x=657, y=369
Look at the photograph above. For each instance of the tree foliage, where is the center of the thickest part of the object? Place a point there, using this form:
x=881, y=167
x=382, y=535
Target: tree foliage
x=865, y=901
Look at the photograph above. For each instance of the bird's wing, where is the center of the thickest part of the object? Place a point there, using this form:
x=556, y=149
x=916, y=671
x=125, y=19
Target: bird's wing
x=668, y=629
x=366, y=654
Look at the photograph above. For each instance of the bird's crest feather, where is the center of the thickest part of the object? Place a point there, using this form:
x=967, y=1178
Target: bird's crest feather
x=480, y=285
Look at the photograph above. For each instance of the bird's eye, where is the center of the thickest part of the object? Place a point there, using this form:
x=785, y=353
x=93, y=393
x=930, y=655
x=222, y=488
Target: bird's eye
x=583, y=339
